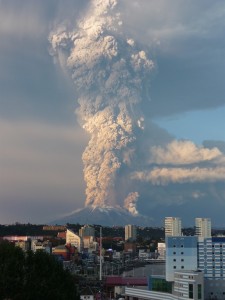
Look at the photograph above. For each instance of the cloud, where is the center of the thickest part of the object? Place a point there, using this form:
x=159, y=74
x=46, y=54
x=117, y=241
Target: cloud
x=167, y=23
x=214, y=143
x=202, y=164
x=181, y=153
x=165, y=176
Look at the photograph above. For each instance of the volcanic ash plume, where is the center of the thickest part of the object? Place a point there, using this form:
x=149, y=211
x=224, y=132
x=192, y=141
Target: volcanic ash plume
x=130, y=203
x=111, y=77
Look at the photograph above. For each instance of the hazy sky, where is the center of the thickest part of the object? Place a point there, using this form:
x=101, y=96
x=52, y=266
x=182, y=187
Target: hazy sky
x=41, y=142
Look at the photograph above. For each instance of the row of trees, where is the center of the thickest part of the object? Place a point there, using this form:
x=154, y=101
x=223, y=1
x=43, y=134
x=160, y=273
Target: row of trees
x=31, y=276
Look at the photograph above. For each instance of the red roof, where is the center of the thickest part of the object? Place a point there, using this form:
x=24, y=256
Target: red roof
x=118, y=280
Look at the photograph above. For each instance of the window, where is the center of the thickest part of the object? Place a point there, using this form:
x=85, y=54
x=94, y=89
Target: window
x=174, y=267
x=182, y=267
x=182, y=246
x=191, y=291
x=182, y=253
x=174, y=259
x=174, y=246
x=182, y=259
x=199, y=291
x=174, y=252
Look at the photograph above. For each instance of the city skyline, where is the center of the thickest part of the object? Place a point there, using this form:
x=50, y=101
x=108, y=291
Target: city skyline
x=41, y=170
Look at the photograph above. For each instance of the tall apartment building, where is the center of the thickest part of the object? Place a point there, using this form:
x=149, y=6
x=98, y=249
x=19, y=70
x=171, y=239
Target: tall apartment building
x=211, y=260
x=203, y=227
x=130, y=232
x=172, y=226
x=181, y=254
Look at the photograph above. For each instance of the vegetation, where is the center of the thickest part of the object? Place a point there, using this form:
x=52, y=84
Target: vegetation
x=31, y=276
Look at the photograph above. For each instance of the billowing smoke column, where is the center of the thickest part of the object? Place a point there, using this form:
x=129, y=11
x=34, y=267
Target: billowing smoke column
x=111, y=77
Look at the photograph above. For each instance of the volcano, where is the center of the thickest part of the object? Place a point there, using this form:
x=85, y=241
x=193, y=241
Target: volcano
x=106, y=216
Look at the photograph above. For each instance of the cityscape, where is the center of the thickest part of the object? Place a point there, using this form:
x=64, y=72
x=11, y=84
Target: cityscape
x=132, y=262
x=112, y=150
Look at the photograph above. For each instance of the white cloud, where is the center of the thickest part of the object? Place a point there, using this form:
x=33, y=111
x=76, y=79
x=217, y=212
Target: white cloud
x=209, y=164
x=182, y=152
x=165, y=176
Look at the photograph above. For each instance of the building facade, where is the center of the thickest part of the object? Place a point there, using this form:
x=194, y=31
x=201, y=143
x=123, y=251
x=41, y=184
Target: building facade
x=87, y=231
x=181, y=254
x=172, y=226
x=130, y=232
x=211, y=260
x=161, y=251
x=203, y=227
x=74, y=239
x=189, y=285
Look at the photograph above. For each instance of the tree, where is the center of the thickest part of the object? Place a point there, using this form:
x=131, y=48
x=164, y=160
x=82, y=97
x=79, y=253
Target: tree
x=33, y=276
x=12, y=261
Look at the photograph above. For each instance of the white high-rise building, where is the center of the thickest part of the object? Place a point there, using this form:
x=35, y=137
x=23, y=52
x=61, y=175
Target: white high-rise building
x=130, y=232
x=172, y=226
x=203, y=227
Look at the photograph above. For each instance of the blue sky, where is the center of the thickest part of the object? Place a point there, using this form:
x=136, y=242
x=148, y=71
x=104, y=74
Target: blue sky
x=197, y=125
x=41, y=173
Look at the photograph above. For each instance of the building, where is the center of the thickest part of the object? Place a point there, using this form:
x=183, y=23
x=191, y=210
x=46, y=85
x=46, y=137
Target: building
x=195, y=268
x=181, y=254
x=130, y=232
x=74, y=240
x=37, y=245
x=87, y=231
x=24, y=245
x=161, y=251
x=172, y=226
x=90, y=244
x=203, y=227
x=211, y=260
x=189, y=285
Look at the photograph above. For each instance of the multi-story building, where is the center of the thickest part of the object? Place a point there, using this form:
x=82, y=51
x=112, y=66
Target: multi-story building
x=203, y=227
x=211, y=260
x=172, y=226
x=181, y=254
x=87, y=230
x=195, y=267
x=189, y=285
x=130, y=232
x=161, y=251
x=74, y=239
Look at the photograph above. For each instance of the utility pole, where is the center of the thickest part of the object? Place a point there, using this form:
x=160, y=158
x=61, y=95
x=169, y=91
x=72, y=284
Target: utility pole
x=100, y=254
